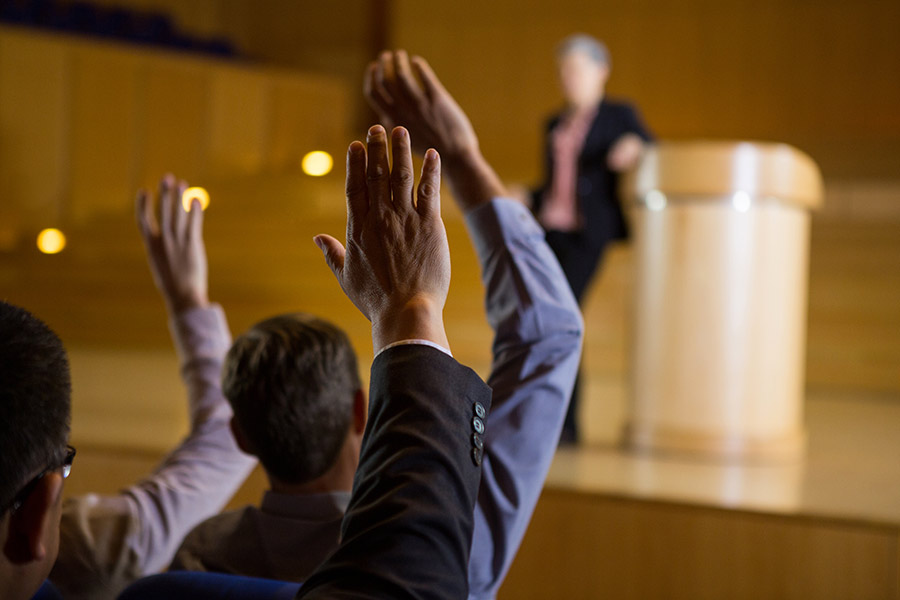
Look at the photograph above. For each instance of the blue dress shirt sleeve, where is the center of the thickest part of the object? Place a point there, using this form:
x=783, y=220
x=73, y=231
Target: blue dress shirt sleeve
x=536, y=350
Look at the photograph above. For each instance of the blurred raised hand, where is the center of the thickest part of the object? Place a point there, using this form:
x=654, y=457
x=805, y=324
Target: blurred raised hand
x=396, y=265
x=405, y=91
x=173, y=239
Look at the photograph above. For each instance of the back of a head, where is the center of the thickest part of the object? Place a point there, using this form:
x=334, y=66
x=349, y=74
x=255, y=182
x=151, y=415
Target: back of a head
x=291, y=381
x=35, y=397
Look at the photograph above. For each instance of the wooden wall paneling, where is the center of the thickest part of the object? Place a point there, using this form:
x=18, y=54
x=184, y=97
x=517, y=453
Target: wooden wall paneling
x=104, y=124
x=34, y=133
x=239, y=122
x=132, y=399
x=582, y=546
x=175, y=121
x=307, y=114
x=817, y=75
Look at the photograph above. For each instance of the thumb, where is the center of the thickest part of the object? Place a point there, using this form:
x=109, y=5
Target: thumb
x=334, y=253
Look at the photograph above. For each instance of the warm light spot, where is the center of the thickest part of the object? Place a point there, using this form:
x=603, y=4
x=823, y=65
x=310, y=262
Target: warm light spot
x=194, y=192
x=741, y=201
x=655, y=200
x=51, y=241
x=317, y=163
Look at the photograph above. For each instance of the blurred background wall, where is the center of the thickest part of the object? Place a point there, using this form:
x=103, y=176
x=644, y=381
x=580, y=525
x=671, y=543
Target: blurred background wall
x=820, y=75
x=84, y=121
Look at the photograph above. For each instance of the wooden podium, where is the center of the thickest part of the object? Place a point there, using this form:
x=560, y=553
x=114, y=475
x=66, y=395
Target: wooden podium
x=721, y=237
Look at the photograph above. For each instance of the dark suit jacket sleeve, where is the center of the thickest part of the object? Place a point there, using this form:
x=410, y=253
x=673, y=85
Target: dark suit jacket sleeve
x=633, y=123
x=408, y=529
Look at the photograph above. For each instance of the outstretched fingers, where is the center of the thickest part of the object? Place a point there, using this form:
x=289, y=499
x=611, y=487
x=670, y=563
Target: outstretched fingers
x=357, y=188
x=146, y=216
x=167, y=215
x=195, y=221
x=430, y=83
x=402, y=177
x=404, y=87
x=429, y=191
x=378, y=172
x=179, y=211
x=334, y=253
x=376, y=92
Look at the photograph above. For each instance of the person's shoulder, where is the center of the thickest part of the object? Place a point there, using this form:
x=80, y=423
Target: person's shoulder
x=619, y=105
x=218, y=528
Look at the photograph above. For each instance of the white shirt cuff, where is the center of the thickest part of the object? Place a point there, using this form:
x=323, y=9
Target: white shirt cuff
x=416, y=343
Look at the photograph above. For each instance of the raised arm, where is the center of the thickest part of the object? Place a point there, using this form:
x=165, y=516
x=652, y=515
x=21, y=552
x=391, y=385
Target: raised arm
x=537, y=324
x=408, y=528
x=107, y=541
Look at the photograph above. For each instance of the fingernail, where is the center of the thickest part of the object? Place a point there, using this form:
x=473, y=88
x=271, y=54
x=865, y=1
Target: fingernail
x=318, y=242
x=375, y=130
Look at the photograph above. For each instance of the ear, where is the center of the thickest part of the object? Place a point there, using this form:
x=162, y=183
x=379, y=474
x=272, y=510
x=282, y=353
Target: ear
x=360, y=412
x=34, y=528
x=239, y=437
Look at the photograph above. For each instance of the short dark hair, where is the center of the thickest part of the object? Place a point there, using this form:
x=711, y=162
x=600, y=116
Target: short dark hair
x=291, y=381
x=35, y=399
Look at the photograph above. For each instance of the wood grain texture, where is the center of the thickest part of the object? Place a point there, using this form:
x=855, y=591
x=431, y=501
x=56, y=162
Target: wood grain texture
x=581, y=546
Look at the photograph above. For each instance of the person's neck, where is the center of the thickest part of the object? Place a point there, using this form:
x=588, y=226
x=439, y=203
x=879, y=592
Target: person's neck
x=586, y=106
x=339, y=478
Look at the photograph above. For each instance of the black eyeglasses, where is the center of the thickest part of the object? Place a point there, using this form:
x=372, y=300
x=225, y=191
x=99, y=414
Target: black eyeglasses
x=23, y=494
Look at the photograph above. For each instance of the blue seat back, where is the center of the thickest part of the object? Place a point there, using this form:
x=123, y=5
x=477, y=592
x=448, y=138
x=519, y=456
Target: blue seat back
x=184, y=585
x=47, y=592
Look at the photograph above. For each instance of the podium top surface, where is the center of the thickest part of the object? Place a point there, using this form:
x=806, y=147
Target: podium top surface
x=713, y=169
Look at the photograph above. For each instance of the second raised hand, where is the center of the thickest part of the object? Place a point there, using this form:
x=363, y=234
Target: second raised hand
x=405, y=91
x=396, y=265
x=174, y=244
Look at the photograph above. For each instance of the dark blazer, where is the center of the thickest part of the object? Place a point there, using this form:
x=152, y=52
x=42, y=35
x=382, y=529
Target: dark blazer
x=598, y=197
x=408, y=528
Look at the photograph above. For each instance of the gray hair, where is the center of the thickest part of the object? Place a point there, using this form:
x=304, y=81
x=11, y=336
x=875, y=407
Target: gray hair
x=586, y=44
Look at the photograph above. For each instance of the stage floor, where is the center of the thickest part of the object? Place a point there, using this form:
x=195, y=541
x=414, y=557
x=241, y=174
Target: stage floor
x=851, y=469
x=613, y=524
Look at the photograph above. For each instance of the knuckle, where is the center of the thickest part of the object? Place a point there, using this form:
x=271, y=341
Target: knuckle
x=376, y=173
x=354, y=188
x=402, y=178
x=428, y=190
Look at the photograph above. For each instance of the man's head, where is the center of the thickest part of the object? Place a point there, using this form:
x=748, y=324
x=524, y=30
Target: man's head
x=294, y=386
x=583, y=69
x=35, y=391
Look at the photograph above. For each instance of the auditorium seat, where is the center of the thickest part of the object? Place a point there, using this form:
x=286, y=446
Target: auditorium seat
x=184, y=585
x=48, y=591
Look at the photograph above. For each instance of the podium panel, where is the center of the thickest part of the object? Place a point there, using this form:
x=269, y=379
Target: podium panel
x=721, y=237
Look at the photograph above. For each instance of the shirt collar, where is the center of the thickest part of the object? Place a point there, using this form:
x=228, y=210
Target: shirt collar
x=327, y=505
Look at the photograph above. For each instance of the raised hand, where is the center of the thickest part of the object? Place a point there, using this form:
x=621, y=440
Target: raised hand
x=406, y=92
x=174, y=245
x=396, y=265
